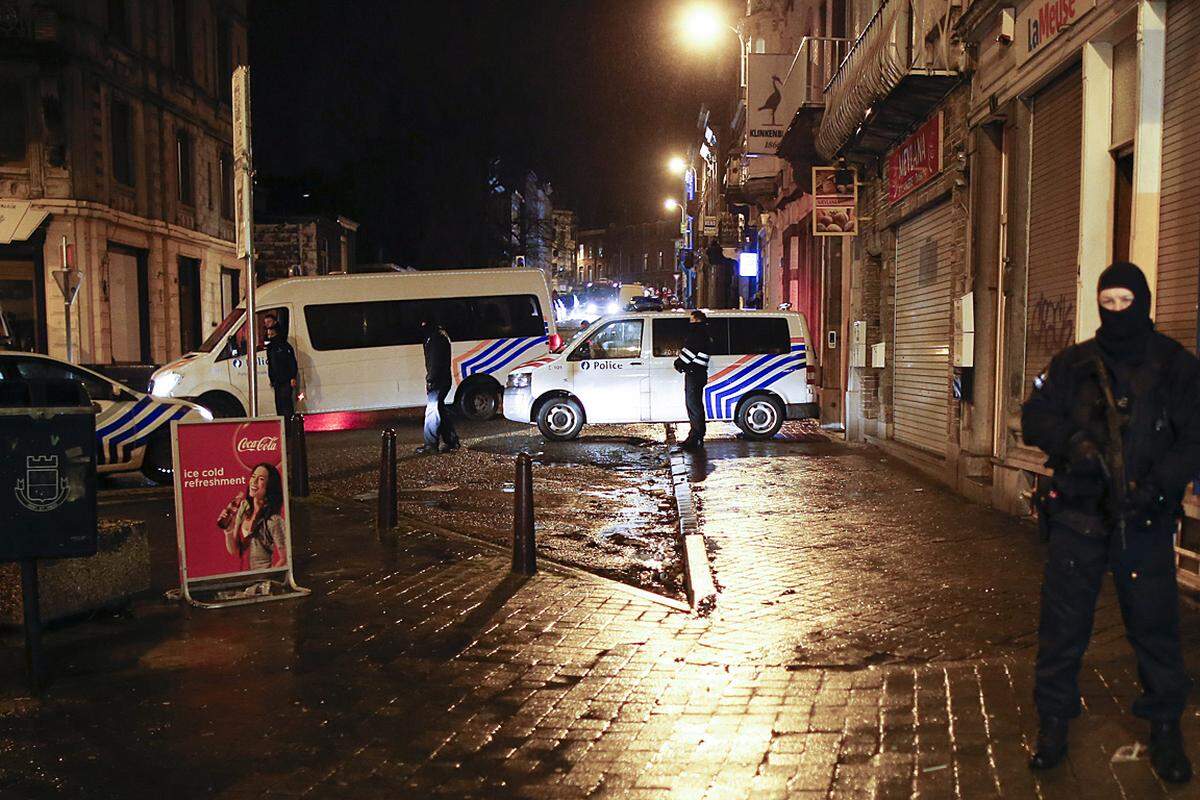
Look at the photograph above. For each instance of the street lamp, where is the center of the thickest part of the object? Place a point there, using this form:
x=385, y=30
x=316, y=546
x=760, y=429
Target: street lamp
x=676, y=165
x=702, y=24
x=670, y=204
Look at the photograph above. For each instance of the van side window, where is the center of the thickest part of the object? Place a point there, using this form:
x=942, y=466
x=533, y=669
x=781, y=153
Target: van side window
x=619, y=339
x=668, y=336
x=388, y=323
x=238, y=340
x=766, y=335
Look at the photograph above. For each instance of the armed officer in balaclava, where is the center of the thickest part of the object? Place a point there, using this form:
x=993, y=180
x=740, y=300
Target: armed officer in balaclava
x=1119, y=418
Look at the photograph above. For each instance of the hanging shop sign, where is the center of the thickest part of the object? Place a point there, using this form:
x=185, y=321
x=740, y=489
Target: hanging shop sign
x=1042, y=20
x=233, y=521
x=835, y=202
x=769, y=105
x=916, y=160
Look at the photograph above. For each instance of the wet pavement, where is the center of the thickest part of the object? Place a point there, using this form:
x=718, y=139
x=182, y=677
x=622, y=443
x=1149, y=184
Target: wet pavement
x=873, y=638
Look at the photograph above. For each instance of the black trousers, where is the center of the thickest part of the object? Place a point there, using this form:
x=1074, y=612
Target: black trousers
x=1144, y=573
x=285, y=400
x=693, y=398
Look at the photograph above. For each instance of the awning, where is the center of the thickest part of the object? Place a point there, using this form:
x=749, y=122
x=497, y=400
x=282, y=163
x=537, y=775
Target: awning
x=19, y=219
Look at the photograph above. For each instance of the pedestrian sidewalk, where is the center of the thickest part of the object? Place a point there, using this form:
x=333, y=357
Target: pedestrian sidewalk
x=872, y=639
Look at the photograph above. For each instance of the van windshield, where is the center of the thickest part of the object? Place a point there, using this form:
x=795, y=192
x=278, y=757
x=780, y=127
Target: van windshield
x=217, y=337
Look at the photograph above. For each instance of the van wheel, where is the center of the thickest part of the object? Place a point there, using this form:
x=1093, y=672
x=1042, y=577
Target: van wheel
x=221, y=405
x=157, y=464
x=560, y=419
x=760, y=417
x=478, y=401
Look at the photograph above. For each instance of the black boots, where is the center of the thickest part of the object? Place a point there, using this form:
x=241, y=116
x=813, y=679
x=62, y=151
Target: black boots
x=1051, y=744
x=1167, y=754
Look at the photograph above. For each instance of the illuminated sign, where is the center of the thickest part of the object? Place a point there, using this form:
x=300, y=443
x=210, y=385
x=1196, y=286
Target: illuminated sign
x=916, y=160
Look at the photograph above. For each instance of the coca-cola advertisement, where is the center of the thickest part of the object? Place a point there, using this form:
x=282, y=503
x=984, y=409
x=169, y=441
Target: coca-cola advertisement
x=232, y=500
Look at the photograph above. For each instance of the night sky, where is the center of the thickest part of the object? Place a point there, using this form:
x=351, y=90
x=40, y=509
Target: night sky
x=388, y=112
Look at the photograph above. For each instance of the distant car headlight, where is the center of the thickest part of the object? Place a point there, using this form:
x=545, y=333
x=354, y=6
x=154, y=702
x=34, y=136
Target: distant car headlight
x=519, y=380
x=165, y=383
x=613, y=308
x=204, y=412
x=591, y=309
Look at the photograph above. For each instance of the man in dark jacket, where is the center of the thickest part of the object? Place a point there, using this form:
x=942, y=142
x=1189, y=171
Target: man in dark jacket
x=438, y=424
x=1119, y=420
x=281, y=367
x=693, y=363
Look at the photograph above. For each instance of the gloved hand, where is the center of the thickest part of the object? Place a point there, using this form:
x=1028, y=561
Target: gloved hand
x=678, y=365
x=1084, y=456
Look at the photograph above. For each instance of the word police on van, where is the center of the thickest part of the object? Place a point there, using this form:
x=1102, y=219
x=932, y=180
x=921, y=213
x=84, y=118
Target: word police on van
x=621, y=370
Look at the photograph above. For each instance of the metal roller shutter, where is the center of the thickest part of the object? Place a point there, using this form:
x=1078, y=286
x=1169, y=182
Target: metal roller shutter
x=921, y=381
x=1179, y=220
x=1053, y=260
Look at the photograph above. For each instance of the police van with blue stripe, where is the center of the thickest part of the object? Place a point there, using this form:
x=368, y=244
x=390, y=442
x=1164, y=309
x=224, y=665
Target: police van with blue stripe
x=358, y=341
x=133, y=429
x=622, y=370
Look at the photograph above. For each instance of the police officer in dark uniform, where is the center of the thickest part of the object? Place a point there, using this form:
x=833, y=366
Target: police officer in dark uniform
x=438, y=423
x=1119, y=418
x=281, y=368
x=693, y=363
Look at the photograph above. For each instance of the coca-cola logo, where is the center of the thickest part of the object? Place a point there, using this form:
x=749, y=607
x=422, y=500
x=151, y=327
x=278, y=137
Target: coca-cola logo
x=263, y=444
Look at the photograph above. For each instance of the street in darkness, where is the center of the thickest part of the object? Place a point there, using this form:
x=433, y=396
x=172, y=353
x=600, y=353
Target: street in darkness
x=646, y=400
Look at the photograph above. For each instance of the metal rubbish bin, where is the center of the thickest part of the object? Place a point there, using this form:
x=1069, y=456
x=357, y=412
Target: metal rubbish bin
x=47, y=487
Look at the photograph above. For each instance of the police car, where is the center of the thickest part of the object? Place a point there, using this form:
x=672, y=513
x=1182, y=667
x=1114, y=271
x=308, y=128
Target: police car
x=133, y=429
x=621, y=370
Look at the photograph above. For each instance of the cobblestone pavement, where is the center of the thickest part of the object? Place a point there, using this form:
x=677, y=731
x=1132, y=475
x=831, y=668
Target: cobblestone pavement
x=872, y=639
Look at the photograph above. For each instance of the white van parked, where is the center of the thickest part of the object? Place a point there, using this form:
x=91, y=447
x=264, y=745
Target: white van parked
x=621, y=370
x=358, y=341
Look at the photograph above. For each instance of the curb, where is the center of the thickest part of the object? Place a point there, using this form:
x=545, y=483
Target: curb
x=697, y=570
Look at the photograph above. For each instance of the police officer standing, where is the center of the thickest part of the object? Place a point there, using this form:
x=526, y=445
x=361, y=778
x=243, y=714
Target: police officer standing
x=281, y=368
x=438, y=424
x=1119, y=420
x=693, y=363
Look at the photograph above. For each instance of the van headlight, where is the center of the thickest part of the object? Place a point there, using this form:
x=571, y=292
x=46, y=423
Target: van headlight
x=519, y=380
x=165, y=383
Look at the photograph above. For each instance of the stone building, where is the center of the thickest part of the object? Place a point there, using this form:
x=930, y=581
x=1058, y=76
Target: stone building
x=563, y=254
x=286, y=247
x=116, y=134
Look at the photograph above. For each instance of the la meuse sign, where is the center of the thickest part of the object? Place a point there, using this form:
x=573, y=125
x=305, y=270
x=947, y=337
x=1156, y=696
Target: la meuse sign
x=1042, y=20
x=916, y=160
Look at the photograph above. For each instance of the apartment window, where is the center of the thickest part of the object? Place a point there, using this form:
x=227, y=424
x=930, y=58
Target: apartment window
x=12, y=122
x=121, y=131
x=182, y=38
x=224, y=61
x=118, y=22
x=183, y=159
x=226, y=164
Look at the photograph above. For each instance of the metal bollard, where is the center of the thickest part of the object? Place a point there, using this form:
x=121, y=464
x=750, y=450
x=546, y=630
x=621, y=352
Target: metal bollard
x=524, y=548
x=385, y=519
x=297, y=456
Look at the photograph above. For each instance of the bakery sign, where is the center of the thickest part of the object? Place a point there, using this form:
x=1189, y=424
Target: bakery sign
x=1042, y=20
x=916, y=160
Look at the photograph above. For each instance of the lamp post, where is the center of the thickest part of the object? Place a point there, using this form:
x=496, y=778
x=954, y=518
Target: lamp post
x=670, y=204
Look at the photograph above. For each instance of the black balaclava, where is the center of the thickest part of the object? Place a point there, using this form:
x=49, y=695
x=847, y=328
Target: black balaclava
x=1123, y=334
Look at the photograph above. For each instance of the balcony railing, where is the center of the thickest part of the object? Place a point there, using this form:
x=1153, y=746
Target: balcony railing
x=814, y=66
x=895, y=45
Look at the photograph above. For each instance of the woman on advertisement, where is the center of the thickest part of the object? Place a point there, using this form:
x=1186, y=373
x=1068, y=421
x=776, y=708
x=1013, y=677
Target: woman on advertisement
x=253, y=522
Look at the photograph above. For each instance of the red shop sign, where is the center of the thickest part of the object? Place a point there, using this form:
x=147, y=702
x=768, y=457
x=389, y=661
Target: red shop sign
x=916, y=160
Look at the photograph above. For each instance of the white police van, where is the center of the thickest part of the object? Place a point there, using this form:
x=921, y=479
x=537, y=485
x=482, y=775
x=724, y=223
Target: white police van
x=621, y=370
x=133, y=429
x=358, y=341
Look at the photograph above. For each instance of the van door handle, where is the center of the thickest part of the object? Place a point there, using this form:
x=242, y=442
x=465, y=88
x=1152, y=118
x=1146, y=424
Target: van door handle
x=635, y=363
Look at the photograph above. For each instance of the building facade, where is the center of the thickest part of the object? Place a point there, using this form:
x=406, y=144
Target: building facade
x=287, y=247
x=564, y=253
x=116, y=136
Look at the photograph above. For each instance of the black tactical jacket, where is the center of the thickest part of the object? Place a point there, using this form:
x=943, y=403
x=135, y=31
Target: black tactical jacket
x=1159, y=401
x=281, y=362
x=437, y=360
x=697, y=350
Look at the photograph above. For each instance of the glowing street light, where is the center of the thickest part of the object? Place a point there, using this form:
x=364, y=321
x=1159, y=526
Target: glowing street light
x=676, y=165
x=702, y=24
x=670, y=204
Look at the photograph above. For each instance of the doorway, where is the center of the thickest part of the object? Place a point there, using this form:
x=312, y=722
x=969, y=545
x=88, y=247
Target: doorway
x=129, y=316
x=21, y=322
x=189, y=304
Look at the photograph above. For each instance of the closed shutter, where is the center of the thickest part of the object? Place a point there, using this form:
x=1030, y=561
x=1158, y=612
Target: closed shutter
x=921, y=381
x=1051, y=287
x=1179, y=220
